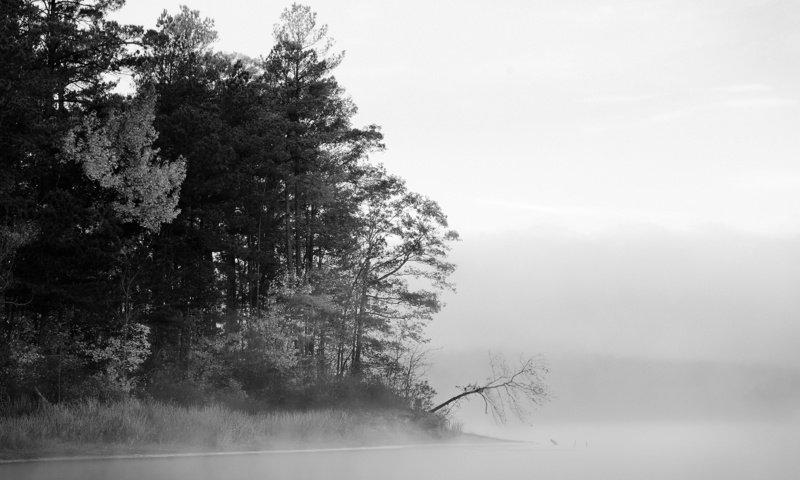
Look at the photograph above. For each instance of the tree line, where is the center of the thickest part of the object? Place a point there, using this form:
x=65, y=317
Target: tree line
x=218, y=232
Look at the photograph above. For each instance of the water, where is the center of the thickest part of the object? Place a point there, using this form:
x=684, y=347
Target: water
x=674, y=450
x=619, y=451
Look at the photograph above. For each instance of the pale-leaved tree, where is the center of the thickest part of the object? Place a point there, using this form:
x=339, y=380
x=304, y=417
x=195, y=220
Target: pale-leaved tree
x=118, y=154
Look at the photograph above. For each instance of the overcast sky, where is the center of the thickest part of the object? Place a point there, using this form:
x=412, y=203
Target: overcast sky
x=624, y=173
x=578, y=113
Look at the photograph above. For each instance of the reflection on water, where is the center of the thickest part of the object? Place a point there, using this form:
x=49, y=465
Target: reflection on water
x=674, y=451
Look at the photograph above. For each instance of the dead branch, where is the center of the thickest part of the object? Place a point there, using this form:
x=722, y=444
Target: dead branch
x=507, y=390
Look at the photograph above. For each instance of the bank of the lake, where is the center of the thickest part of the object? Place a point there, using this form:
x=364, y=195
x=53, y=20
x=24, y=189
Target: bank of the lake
x=90, y=428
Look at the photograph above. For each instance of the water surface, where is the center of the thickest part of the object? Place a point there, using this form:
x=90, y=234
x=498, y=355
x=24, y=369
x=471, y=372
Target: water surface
x=652, y=451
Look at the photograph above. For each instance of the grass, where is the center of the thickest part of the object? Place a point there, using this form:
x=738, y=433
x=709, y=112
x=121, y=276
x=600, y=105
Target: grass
x=135, y=426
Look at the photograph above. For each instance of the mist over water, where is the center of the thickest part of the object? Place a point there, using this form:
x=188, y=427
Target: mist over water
x=635, y=418
x=611, y=418
x=621, y=451
x=668, y=360
x=670, y=353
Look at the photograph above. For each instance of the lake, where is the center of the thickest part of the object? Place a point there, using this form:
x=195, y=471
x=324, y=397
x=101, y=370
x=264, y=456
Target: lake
x=614, y=451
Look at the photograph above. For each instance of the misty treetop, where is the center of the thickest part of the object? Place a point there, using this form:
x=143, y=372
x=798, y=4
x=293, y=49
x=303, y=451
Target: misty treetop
x=219, y=233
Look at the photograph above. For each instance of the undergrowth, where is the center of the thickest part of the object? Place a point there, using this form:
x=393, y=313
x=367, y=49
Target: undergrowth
x=133, y=425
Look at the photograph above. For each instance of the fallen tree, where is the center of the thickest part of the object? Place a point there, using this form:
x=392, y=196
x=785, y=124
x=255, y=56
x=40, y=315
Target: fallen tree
x=506, y=389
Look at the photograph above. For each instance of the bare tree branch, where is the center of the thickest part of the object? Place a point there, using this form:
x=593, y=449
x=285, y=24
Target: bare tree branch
x=507, y=389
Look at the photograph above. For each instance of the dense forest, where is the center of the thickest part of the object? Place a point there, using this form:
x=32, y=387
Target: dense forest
x=214, y=232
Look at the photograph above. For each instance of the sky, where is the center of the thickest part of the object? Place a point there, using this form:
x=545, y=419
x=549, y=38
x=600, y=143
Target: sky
x=586, y=114
x=624, y=174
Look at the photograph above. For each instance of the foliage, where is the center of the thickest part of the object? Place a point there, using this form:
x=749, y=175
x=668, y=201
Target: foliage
x=121, y=357
x=176, y=47
x=11, y=239
x=120, y=157
x=221, y=234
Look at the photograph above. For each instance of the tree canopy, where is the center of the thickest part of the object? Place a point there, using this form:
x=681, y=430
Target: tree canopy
x=218, y=233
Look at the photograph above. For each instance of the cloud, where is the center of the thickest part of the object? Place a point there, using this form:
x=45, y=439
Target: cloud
x=601, y=222
x=614, y=99
x=764, y=102
x=677, y=113
x=564, y=209
x=770, y=181
x=756, y=103
x=591, y=219
x=745, y=88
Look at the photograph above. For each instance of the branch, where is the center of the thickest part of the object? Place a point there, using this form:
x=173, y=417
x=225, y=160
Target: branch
x=506, y=388
x=456, y=398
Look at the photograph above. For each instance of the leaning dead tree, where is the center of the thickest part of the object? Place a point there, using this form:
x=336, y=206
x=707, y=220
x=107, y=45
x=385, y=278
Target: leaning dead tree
x=507, y=389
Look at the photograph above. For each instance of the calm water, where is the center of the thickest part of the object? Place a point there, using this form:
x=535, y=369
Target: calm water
x=642, y=451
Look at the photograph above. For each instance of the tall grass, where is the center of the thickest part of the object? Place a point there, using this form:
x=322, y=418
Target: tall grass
x=135, y=425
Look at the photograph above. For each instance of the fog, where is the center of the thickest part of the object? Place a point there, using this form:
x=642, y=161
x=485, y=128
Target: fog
x=667, y=451
x=672, y=352
x=671, y=356
x=705, y=294
x=640, y=323
x=600, y=388
x=624, y=176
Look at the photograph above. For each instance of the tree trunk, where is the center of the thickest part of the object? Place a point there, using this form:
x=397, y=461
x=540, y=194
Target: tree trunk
x=232, y=303
x=309, y=260
x=361, y=314
x=454, y=399
x=288, y=235
x=298, y=254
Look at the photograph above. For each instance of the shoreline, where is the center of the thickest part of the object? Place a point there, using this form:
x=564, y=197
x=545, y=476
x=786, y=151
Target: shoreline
x=136, y=428
x=455, y=441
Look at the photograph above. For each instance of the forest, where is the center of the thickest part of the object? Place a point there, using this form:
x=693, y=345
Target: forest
x=191, y=226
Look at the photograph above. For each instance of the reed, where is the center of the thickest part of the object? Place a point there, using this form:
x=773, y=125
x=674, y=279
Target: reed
x=138, y=426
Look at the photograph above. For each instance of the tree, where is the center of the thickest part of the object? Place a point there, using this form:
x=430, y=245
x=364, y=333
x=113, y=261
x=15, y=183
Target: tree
x=76, y=46
x=319, y=151
x=298, y=26
x=223, y=225
x=187, y=256
x=404, y=369
x=120, y=157
x=69, y=233
x=398, y=236
x=175, y=50
x=507, y=389
x=55, y=57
